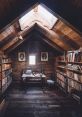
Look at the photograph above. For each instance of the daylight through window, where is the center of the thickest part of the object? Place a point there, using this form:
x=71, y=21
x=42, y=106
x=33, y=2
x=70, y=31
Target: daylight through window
x=39, y=15
x=32, y=60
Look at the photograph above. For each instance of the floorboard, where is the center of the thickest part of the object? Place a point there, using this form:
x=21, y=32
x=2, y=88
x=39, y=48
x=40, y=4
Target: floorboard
x=24, y=101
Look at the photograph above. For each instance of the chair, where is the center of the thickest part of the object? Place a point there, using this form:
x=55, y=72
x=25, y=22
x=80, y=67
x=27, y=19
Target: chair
x=50, y=81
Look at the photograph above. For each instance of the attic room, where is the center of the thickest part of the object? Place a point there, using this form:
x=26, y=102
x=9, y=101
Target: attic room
x=40, y=58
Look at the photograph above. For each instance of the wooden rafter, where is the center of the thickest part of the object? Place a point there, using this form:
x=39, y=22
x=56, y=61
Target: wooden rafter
x=67, y=39
x=55, y=38
x=15, y=45
x=59, y=35
x=16, y=39
x=49, y=42
x=62, y=29
x=12, y=42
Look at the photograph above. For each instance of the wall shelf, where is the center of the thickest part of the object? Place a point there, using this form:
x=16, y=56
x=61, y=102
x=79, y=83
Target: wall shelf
x=67, y=72
x=5, y=74
x=77, y=63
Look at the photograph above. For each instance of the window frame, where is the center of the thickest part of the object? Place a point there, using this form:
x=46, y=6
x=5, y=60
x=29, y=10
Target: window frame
x=29, y=59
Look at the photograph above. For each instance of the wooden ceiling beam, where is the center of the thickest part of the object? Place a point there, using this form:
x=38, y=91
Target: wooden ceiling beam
x=6, y=40
x=53, y=45
x=16, y=39
x=12, y=47
x=40, y=36
x=63, y=29
x=67, y=40
x=12, y=42
x=14, y=8
x=49, y=42
x=15, y=45
x=19, y=42
x=55, y=38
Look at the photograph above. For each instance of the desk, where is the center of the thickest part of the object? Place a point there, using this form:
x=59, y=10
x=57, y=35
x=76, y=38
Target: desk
x=33, y=77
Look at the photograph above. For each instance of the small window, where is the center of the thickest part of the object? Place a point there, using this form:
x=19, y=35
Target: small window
x=32, y=60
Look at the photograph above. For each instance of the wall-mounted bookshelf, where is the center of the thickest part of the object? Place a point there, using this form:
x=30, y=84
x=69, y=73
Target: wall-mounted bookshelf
x=5, y=73
x=69, y=72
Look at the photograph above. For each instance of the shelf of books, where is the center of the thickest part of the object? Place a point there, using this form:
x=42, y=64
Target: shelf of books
x=5, y=73
x=69, y=72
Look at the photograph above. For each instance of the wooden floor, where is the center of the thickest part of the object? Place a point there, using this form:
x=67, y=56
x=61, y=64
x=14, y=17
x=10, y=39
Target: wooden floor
x=23, y=101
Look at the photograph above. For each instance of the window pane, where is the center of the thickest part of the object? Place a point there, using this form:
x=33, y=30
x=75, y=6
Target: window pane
x=32, y=59
x=39, y=15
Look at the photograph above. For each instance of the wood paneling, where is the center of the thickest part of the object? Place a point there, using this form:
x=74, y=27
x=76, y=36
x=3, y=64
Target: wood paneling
x=33, y=46
x=9, y=44
x=37, y=101
x=62, y=35
x=49, y=42
x=69, y=10
x=7, y=32
x=14, y=42
x=70, y=33
x=50, y=34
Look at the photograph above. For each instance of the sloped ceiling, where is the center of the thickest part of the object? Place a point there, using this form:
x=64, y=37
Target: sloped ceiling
x=36, y=37
x=65, y=40
x=70, y=10
x=63, y=36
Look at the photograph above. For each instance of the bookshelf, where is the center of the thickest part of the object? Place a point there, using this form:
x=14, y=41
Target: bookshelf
x=5, y=73
x=69, y=72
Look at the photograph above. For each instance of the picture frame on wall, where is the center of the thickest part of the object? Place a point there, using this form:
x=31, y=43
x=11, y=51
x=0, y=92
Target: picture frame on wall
x=44, y=56
x=21, y=56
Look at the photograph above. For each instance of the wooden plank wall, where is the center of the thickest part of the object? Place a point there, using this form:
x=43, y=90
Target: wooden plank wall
x=33, y=46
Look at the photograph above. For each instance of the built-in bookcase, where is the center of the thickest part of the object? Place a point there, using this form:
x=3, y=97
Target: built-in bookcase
x=69, y=72
x=5, y=73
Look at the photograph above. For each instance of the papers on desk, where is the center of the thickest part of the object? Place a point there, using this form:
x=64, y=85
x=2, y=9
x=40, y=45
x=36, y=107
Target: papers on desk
x=39, y=75
x=27, y=75
x=33, y=75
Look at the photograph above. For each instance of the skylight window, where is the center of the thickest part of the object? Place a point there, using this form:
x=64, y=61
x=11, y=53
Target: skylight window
x=39, y=15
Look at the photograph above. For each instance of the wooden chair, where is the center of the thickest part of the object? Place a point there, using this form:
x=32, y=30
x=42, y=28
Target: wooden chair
x=50, y=81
